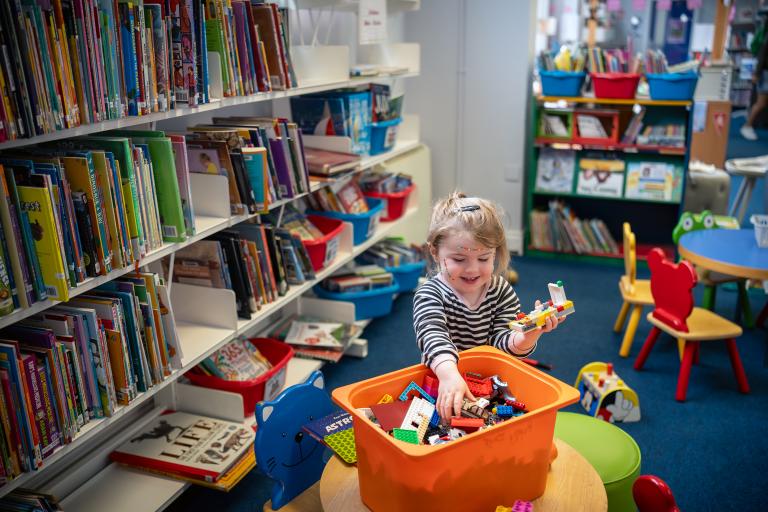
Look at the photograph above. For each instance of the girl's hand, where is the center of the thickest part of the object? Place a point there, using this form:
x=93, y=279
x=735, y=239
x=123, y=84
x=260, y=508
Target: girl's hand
x=531, y=337
x=451, y=392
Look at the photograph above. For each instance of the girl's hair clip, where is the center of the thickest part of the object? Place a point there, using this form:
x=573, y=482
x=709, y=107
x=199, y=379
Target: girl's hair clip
x=467, y=208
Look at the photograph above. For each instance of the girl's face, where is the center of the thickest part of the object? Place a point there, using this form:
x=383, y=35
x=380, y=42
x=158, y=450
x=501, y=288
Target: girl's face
x=465, y=263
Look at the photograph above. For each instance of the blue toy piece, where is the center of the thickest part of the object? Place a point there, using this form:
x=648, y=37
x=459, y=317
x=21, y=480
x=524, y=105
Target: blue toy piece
x=284, y=452
x=505, y=410
x=413, y=387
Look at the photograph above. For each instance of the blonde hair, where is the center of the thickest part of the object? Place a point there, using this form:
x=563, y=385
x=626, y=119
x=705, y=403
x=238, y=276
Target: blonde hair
x=479, y=217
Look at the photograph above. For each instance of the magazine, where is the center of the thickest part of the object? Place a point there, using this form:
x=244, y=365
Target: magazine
x=554, y=170
x=187, y=445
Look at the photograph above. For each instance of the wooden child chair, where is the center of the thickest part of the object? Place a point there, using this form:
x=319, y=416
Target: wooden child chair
x=634, y=292
x=671, y=286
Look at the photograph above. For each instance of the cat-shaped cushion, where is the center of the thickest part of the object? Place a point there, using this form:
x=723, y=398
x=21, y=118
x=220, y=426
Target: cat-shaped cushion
x=671, y=286
x=284, y=452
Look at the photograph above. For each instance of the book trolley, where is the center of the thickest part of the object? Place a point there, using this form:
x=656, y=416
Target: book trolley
x=79, y=473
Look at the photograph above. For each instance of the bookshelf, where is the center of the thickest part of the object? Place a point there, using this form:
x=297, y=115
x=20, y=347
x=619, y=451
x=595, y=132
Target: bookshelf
x=603, y=176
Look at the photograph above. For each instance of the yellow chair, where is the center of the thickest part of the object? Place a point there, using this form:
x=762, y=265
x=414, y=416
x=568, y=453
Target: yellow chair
x=634, y=292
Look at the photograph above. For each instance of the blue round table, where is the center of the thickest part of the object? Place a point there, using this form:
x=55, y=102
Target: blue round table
x=730, y=251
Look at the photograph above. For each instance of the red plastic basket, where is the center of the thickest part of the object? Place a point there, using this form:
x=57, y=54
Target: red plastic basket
x=615, y=85
x=323, y=250
x=266, y=386
x=395, y=202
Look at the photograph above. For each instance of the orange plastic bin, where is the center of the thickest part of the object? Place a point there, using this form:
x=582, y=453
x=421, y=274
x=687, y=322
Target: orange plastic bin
x=506, y=462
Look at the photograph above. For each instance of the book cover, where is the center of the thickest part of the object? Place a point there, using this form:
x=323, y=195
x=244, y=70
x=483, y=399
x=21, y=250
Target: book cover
x=187, y=445
x=336, y=432
x=328, y=163
x=255, y=160
x=554, y=170
x=660, y=181
x=601, y=177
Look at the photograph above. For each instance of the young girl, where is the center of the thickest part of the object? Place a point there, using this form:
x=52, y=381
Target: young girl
x=467, y=302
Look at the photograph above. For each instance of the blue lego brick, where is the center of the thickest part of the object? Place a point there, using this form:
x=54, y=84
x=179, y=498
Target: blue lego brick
x=415, y=387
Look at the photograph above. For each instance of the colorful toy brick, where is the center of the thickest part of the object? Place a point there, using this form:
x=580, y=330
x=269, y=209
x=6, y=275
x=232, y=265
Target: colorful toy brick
x=415, y=388
x=407, y=435
x=430, y=385
x=386, y=399
x=469, y=424
x=604, y=395
x=558, y=306
x=419, y=408
x=522, y=506
x=504, y=410
x=473, y=410
x=501, y=388
x=478, y=386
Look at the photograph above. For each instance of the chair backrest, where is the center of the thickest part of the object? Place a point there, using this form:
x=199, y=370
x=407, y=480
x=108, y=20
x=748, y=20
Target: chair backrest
x=630, y=256
x=652, y=494
x=671, y=285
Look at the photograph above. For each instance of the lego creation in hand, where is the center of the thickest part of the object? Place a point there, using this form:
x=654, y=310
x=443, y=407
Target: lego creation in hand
x=604, y=395
x=558, y=305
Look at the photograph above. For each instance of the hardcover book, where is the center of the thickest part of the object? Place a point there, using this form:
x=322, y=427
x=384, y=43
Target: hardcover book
x=187, y=445
x=554, y=170
x=336, y=432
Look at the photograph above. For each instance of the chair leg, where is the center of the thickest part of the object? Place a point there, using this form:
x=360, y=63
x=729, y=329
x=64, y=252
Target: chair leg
x=708, y=300
x=685, y=371
x=647, y=346
x=697, y=353
x=680, y=347
x=743, y=307
x=622, y=316
x=738, y=368
x=629, y=335
x=762, y=317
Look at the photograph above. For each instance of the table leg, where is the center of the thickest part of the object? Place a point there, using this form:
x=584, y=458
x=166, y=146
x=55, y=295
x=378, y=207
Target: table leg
x=750, y=181
x=737, y=200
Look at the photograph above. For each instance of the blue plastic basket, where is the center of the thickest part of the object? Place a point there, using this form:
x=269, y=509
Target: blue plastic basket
x=383, y=135
x=407, y=275
x=363, y=224
x=561, y=83
x=368, y=304
x=672, y=86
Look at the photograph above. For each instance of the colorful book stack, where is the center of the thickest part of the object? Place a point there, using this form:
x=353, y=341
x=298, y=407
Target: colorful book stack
x=392, y=253
x=71, y=63
x=79, y=208
x=347, y=199
x=360, y=279
x=238, y=360
x=385, y=182
x=314, y=338
x=80, y=361
x=560, y=230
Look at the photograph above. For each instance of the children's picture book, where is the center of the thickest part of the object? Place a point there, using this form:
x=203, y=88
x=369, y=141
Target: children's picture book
x=336, y=432
x=316, y=334
x=554, y=170
x=327, y=163
x=659, y=181
x=188, y=445
x=237, y=360
x=602, y=177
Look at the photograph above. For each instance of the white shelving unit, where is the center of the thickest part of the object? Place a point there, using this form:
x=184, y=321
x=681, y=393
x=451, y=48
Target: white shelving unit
x=80, y=473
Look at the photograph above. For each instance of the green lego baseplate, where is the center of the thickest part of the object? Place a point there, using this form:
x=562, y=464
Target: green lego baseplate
x=409, y=436
x=343, y=443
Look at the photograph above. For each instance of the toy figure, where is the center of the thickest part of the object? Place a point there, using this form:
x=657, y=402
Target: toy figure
x=558, y=306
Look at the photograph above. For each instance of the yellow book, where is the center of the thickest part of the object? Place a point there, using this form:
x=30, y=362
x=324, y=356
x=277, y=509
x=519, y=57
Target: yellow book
x=106, y=189
x=36, y=201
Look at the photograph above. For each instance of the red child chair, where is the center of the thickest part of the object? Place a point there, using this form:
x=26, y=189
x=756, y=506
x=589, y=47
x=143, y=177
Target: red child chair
x=674, y=314
x=652, y=494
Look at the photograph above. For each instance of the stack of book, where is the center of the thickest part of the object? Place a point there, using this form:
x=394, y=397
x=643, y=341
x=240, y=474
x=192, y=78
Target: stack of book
x=329, y=163
x=79, y=361
x=73, y=63
x=256, y=261
x=359, y=279
x=392, y=252
x=348, y=198
x=565, y=60
x=314, y=338
x=80, y=208
x=198, y=449
x=238, y=360
x=670, y=135
x=560, y=230
x=385, y=107
x=385, y=182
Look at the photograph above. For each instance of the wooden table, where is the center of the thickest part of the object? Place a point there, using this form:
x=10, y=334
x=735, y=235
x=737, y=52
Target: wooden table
x=572, y=484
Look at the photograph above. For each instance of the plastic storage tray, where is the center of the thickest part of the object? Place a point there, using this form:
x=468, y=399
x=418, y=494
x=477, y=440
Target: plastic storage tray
x=323, y=250
x=363, y=224
x=368, y=304
x=384, y=135
x=407, y=275
x=477, y=472
x=395, y=202
x=561, y=83
x=615, y=85
x=255, y=390
x=672, y=86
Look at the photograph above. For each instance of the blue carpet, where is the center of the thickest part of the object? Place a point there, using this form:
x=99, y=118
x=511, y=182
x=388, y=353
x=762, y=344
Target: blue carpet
x=708, y=449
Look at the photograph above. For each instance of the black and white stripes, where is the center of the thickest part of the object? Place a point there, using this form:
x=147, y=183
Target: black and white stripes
x=445, y=325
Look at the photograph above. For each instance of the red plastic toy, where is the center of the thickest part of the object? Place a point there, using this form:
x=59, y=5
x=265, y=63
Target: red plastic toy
x=652, y=494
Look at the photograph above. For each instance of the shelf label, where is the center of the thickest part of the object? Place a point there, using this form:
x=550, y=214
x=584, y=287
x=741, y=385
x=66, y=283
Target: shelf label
x=274, y=384
x=372, y=21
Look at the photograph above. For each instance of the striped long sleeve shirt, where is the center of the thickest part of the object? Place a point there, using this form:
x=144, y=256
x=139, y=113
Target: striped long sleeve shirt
x=444, y=324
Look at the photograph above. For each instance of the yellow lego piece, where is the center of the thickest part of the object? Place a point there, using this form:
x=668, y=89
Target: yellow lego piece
x=422, y=430
x=502, y=508
x=386, y=399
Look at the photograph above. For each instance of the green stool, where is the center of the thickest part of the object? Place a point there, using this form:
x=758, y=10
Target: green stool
x=611, y=451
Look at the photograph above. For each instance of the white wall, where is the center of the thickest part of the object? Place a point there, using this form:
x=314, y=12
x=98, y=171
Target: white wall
x=473, y=97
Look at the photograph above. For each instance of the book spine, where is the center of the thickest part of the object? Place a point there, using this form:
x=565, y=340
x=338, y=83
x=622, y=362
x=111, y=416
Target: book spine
x=37, y=410
x=48, y=406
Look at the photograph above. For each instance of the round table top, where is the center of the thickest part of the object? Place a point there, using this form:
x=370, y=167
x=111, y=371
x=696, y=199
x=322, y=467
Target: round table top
x=572, y=484
x=730, y=251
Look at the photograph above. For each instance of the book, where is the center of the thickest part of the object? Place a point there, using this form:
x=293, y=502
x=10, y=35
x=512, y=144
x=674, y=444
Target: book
x=328, y=163
x=238, y=360
x=555, y=170
x=660, y=181
x=600, y=176
x=187, y=445
x=336, y=432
